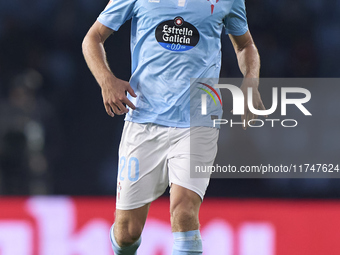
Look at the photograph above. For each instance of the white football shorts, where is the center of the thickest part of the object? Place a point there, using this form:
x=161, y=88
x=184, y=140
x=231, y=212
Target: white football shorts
x=151, y=157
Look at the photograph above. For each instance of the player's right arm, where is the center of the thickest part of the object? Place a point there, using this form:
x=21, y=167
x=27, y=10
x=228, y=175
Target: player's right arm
x=113, y=89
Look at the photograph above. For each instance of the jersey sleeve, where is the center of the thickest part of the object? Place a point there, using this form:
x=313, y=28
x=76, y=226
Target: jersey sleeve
x=116, y=13
x=236, y=21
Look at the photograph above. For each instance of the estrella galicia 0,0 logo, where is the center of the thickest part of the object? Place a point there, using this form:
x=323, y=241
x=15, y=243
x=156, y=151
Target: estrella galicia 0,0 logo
x=177, y=35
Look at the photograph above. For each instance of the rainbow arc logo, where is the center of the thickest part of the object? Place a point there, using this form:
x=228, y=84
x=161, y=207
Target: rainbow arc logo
x=209, y=93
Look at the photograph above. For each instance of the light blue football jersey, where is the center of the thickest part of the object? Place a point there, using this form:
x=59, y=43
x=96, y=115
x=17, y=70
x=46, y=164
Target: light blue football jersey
x=173, y=42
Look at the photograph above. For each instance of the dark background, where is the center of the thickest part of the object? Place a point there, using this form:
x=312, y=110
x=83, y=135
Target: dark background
x=55, y=136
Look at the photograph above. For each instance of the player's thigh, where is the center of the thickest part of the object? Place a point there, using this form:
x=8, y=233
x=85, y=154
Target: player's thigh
x=142, y=175
x=184, y=197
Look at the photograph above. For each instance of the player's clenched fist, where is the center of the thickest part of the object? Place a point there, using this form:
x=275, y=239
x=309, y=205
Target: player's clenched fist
x=114, y=96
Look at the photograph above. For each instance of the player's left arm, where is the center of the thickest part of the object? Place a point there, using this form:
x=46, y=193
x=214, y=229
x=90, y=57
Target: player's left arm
x=249, y=63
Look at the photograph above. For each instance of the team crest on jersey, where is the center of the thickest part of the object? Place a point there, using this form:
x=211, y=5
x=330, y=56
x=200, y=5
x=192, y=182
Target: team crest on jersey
x=177, y=35
x=213, y=2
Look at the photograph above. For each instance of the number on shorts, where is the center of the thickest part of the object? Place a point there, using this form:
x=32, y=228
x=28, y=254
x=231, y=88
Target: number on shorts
x=133, y=167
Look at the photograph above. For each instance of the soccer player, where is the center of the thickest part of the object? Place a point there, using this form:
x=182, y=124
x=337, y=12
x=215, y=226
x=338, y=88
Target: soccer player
x=172, y=41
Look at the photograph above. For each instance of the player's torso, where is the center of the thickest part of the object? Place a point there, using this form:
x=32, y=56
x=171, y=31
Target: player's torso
x=173, y=41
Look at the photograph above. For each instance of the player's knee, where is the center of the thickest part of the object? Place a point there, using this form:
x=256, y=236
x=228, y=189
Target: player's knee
x=184, y=215
x=127, y=234
x=184, y=208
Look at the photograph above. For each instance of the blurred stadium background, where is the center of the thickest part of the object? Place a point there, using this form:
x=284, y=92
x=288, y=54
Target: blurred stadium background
x=56, y=139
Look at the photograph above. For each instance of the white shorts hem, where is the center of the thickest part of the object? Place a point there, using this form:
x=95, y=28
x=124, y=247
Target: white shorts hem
x=135, y=205
x=189, y=187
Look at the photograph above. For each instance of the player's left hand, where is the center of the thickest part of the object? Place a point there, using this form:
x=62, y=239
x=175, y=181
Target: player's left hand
x=257, y=101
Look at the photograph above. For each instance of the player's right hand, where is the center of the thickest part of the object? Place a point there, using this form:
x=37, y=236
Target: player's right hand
x=114, y=96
